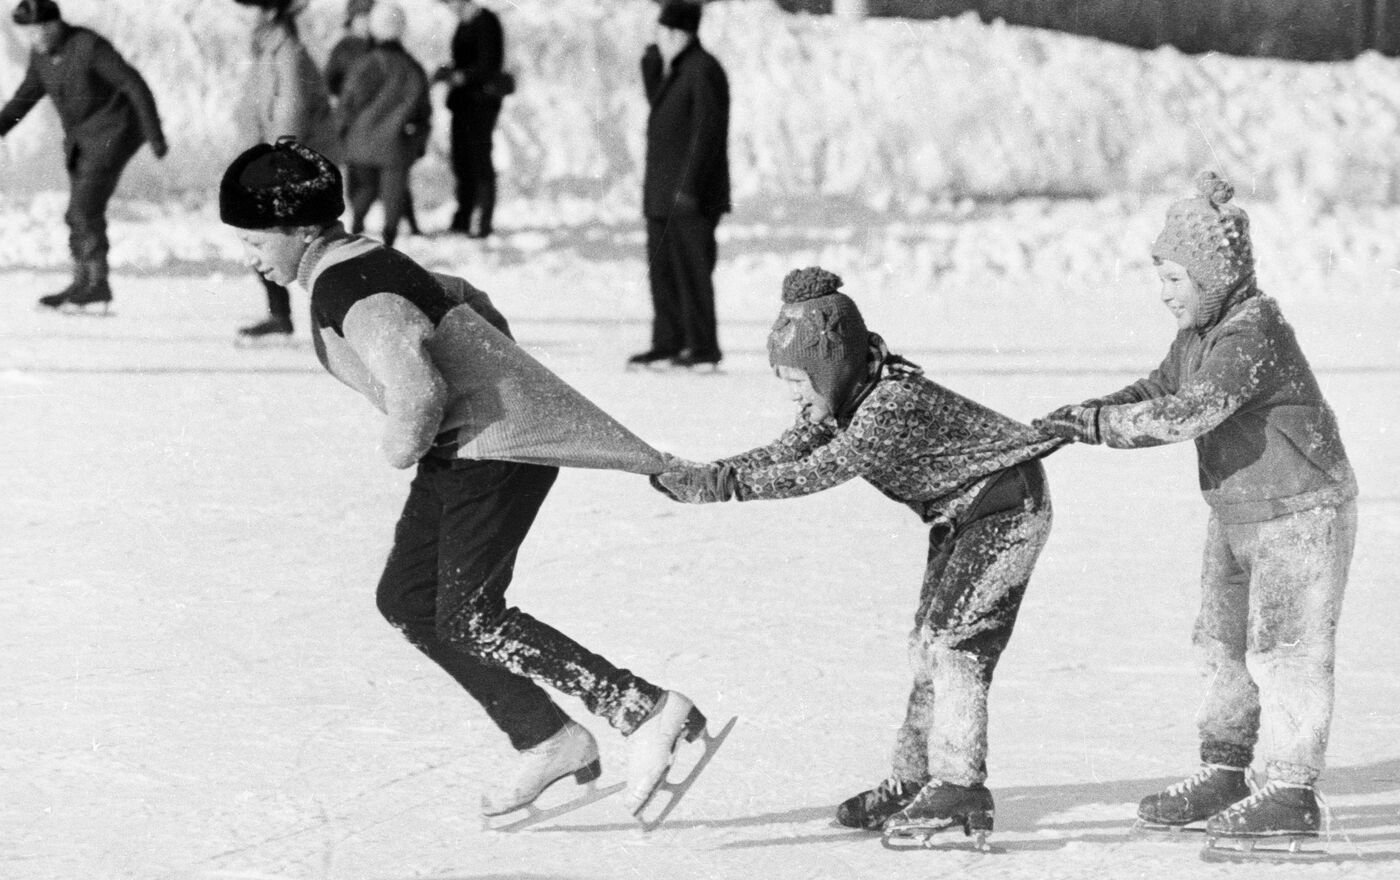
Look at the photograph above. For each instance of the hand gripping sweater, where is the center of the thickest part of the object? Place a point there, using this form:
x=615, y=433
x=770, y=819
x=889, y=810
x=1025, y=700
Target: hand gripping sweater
x=1266, y=441
x=500, y=402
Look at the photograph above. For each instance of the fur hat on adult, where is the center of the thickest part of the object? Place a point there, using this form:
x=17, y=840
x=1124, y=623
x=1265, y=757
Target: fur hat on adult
x=680, y=15
x=36, y=12
x=820, y=331
x=281, y=184
x=1210, y=237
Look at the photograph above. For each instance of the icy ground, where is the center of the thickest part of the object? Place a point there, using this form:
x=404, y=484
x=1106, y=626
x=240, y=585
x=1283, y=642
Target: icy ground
x=197, y=683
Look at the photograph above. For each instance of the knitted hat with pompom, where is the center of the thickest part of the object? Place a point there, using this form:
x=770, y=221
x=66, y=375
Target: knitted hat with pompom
x=1210, y=237
x=820, y=330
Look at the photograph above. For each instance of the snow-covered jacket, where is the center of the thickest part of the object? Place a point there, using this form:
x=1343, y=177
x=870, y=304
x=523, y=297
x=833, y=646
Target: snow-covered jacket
x=1266, y=441
x=385, y=112
x=434, y=355
x=103, y=103
x=286, y=95
x=914, y=440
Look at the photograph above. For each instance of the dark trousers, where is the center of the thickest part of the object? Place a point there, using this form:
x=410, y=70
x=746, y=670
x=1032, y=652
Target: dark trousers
x=681, y=256
x=92, y=179
x=473, y=128
x=279, y=302
x=385, y=183
x=444, y=586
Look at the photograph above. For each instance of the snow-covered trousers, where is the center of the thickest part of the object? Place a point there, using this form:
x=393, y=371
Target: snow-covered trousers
x=977, y=574
x=444, y=586
x=1271, y=593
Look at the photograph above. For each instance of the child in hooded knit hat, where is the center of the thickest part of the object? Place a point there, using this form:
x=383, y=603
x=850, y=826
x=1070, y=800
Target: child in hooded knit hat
x=971, y=473
x=1282, y=520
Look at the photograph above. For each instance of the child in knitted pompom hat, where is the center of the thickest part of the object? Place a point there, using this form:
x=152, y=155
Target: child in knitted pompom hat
x=1282, y=519
x=971, y=473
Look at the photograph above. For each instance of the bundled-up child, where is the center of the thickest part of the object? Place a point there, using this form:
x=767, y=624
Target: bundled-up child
x=1282, y=520
x=971, y=473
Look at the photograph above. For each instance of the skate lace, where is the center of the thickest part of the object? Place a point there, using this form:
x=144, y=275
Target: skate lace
x=1191, y=782
x=893, y=786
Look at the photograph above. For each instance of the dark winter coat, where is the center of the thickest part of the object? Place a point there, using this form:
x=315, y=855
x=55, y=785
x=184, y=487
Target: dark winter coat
x=478, y=55
x=1266, y=441
x=385, y=113
x=914, y=440
x=286, y=95
x=687, y=159
x=103, y=103
x=344, y=54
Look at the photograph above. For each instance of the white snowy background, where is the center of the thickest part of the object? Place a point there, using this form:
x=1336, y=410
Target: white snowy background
x=196, y=683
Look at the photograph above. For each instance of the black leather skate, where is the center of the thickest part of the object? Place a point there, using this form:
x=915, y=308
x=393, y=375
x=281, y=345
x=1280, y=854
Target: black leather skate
x=1193, y=800
x=870, y=809
x=1280, y=816
x=940, y=806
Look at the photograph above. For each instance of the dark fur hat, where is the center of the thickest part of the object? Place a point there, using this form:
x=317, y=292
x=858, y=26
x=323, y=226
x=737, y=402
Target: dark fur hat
x=680, y=15
x=281, y=184
x=36, y=12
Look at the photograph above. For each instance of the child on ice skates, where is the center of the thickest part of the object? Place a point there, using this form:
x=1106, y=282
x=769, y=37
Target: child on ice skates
x=971, y=473
x=1281, y=530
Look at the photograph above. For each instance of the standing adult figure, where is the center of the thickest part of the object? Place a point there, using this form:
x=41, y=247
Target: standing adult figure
x=474, y=99
x=686, y=187
x=285, y=94
x=107, y=113
x=385, y=117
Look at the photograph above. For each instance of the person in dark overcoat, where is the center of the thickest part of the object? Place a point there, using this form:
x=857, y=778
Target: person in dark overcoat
x=478, y=56
x=385, y=117
x=107, y=113
x=686, y=187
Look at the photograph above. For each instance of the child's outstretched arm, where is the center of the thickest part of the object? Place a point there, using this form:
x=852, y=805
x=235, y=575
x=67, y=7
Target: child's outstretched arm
x=1079, y=422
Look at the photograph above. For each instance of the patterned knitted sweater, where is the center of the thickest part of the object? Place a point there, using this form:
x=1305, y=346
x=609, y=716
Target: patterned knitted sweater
x=914, y=440
x=374, y=312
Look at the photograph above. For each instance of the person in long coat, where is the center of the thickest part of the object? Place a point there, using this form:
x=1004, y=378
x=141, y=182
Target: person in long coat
x=107, y=112
x=385, y=115
x=686, y=187
x=285, y=94
x=478, y=57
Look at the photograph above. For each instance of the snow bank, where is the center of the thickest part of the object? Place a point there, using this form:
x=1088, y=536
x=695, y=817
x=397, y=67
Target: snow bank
x=894, y=116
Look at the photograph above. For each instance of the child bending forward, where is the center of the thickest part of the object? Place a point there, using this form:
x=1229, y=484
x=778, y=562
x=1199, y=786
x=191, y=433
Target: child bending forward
x=971, y=473
x=1282, y=521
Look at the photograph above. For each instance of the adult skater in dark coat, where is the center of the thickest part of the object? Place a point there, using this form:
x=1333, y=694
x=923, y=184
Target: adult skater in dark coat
x=474, y=99
x=107, y=113
x=686, y=187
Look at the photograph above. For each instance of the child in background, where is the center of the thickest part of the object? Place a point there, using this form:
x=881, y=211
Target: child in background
x=1282, y=521
x=972, y=474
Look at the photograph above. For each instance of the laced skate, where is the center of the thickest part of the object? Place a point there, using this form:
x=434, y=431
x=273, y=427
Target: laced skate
x=570, y=752
x=870, y=809
x=653, y=748
x=1269, y=826
x=940, y=806
x=1178, y=810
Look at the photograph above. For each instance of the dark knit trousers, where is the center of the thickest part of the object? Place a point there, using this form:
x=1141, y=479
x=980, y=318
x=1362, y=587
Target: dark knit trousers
x=386, y=183
x=444, y=586
x=473, y=128
x=681, y=257
x=977, y=573
x=92, y=179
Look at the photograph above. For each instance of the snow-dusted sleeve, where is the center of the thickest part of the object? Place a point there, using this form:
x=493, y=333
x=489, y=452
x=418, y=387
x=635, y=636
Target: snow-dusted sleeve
x=1157, y=384
x=387, y=332
x=850, y=453
x=1231, y=374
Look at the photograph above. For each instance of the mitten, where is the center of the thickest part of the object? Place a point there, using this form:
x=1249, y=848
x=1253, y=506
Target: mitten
x=702, y=484
x=1073, y=422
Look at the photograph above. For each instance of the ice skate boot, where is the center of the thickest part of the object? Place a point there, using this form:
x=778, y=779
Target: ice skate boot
x=571, y=752
x=652, y=750
x=93, y=299
x=272, y=330
x=1270, y=825
x=937, y=807
x=870, y=809
x=55, y=301
x=1167, y=814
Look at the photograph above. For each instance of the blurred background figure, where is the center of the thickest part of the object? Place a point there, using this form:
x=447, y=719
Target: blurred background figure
x=106, y=111
x=685, y=188
x=476, y=85
x=385, y=116
x=285, y=94
x=347, y=50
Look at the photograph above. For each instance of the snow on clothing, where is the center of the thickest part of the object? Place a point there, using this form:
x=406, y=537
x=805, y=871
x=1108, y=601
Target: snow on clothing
x=1282, y=497
x=107, y=112
x=500, y=402
x=974, y=475
x=461, y=528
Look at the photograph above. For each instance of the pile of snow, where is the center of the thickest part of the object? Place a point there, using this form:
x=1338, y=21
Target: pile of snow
x=892, y=115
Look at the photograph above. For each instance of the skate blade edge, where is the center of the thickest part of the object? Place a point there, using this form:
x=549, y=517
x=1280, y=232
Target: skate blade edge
x=1152, y=832
x=1280, y=848
x=677, y=790
x=505, y=824
x=923, y=837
